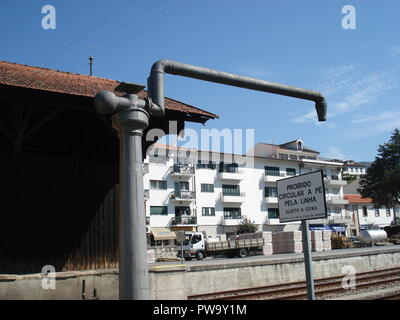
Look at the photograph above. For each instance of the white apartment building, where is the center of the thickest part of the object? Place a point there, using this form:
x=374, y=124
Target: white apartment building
x=364, y=212
x=353, y=168
x=212, y=192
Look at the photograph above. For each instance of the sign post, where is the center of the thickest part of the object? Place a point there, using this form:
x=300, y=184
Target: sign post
x=302, y=198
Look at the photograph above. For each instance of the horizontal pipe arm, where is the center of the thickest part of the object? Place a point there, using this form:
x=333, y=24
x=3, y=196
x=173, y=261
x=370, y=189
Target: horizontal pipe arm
x=156, y=83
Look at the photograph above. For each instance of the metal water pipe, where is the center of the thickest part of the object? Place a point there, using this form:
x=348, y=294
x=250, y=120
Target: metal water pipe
x=130, y=117
x=156, y=83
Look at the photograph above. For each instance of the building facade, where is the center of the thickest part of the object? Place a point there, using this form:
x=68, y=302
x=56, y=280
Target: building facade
x=352, y=168
x=212, y=192
x=364, y=212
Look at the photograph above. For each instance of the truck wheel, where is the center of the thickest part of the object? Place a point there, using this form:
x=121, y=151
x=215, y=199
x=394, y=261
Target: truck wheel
x=199, y=255
x=243, y=253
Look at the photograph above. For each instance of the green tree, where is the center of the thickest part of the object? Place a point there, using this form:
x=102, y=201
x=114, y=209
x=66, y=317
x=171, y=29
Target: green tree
x=382, y=181
x=246, y=226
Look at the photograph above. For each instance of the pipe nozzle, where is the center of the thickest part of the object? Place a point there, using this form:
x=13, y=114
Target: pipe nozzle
x=321, y=107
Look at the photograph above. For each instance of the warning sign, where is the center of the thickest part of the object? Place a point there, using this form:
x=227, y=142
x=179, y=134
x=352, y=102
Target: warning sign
x=302, y=197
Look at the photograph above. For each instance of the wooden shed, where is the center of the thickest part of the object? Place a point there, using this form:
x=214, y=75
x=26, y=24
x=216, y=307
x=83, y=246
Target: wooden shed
x=59, y=169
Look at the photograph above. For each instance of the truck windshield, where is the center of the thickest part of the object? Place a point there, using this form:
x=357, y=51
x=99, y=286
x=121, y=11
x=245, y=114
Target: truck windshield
x=187, y=239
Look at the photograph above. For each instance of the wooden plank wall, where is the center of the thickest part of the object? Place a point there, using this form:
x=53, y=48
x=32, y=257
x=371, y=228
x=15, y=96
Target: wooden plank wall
x=57, y=212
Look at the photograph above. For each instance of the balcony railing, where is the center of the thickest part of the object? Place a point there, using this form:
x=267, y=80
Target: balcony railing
x=182, y=170
x=183, y=195
x=183, y=220
x=233, y=197
x=158, y=159
x=335, y=181
x=336, y=200
x=228, y=169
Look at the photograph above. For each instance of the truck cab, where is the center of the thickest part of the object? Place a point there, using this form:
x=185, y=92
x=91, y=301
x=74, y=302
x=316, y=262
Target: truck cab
x=194, y=246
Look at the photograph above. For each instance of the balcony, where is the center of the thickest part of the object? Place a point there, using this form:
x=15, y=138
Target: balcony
x=183, y=221
x=229, y=221
x=183, y=196
x=273, y=177
x=271, y=200
x=182, y=171
x=335, y=181
x=336, y=200
x=227, y=172
x=233, y=197
x=158, y=158
x=340, y=220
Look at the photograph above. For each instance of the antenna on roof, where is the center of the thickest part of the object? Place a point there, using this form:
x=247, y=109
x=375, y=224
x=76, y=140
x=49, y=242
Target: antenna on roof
x=91, y=64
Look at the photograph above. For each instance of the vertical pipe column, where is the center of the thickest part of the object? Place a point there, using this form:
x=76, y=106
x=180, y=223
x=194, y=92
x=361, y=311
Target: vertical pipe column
x=133, y=274
x=308, y=260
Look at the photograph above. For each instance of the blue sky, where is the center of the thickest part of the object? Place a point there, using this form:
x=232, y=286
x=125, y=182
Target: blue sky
x=299, y=43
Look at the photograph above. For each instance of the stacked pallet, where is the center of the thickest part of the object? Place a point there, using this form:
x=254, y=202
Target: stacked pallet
x=257, y=236
x=267, y=247
x=321, y=240
x=340, y=242
x=316, y=241
x=326, y=239
x=287, y=242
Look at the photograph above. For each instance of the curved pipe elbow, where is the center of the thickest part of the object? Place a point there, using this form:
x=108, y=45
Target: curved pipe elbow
x=321, y=107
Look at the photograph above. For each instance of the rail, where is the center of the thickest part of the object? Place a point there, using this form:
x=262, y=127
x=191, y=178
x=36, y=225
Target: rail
x=325, y=288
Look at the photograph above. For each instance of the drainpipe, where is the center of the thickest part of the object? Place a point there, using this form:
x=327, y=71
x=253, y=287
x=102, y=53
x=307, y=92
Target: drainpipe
x=156, y=84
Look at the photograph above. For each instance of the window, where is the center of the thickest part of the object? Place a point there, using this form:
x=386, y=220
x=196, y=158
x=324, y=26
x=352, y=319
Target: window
x=270, y=192
x=158, y=184
x=365, y=212
x=182, y=211
x=162, y=210
x=230, y=190
x=205, y=187
x=290, y=172
x=387, y=212
x=292, y=157
x=208, y=211
x=283, y=156
x=299, y=145
x=232, y=213
x=273, y=213
x=182, y=186
x=272, y=171
x=377, y=212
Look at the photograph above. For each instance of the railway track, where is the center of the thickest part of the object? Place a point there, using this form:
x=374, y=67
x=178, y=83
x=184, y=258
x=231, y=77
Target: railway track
x=324, y=287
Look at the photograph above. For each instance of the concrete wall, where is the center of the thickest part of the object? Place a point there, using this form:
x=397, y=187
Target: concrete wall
x=197, y=279
x=178, y=281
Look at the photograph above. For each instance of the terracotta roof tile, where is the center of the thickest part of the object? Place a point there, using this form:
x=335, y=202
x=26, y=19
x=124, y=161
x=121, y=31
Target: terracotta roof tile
x=18, y=75
x=356, y=198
